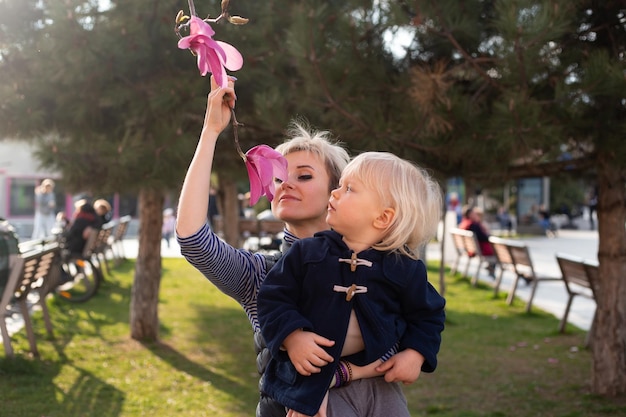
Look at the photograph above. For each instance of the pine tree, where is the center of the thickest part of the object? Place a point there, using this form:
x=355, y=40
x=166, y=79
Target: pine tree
x=508, y=89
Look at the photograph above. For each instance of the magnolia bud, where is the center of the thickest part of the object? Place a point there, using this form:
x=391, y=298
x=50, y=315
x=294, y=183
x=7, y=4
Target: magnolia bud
x=238, y=20
x=181, y=17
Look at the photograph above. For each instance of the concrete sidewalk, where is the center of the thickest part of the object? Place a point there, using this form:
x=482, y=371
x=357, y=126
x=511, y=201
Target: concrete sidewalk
x=550, y=296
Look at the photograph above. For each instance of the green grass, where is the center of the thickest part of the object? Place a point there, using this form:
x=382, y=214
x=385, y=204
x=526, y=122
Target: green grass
x=495, y=360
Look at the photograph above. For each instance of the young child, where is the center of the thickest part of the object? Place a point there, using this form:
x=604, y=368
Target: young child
x=361, y=286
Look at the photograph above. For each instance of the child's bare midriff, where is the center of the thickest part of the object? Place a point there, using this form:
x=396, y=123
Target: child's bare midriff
x=354, y=340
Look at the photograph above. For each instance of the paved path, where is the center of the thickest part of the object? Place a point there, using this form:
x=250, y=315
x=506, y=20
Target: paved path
x=550, y=296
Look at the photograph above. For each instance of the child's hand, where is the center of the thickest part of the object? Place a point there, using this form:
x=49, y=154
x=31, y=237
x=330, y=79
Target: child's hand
x=306, y=353
x=320, y=413
x=404, y=367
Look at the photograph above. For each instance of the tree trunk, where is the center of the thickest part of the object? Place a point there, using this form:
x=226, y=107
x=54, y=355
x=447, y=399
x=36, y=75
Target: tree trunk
x=609, y=330
x=144, y=318
x=231, y=207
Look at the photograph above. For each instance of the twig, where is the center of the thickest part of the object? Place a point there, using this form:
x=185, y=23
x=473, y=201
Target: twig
x=236, y=124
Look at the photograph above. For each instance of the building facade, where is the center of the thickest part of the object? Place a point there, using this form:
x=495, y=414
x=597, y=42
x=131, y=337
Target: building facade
x=20, y=173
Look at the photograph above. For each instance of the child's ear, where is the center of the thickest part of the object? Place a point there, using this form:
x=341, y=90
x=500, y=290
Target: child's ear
x=385, y=218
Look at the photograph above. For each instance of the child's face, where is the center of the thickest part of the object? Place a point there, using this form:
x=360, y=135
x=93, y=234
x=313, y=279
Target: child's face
x=352, y=207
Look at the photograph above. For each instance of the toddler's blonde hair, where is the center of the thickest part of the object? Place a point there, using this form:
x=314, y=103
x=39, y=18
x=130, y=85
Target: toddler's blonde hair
x=414, y=195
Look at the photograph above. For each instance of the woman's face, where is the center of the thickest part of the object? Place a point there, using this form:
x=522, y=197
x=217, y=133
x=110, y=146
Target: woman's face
x=303, y=198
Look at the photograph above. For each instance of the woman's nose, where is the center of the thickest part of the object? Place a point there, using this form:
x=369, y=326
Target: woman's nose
x=285, y=185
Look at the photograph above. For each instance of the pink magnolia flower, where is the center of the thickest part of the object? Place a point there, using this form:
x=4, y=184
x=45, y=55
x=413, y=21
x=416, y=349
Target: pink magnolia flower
x=264, y=164
x=212, y=55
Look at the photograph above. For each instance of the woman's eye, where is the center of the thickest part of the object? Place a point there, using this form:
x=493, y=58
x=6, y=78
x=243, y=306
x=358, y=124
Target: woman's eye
x=348, y=188
x=305, y=177
x=278, y=180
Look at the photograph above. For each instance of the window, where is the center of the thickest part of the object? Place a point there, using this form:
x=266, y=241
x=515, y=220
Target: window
x=22, y=197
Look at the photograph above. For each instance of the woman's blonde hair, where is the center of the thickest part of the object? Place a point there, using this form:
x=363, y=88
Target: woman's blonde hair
x=303, y=138
x=410, y=191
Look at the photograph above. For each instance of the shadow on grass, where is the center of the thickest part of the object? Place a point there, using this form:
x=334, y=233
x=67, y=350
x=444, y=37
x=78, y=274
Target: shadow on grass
x=89, y=395
x=182, y=363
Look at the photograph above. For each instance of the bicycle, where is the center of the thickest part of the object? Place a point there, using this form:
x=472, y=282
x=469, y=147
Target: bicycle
x=79, y=279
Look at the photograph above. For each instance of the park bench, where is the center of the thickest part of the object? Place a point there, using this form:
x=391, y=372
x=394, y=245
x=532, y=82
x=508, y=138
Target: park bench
x=524, y=269
x=578, y=275
x=458, y=239
x=270, y=234
x=504, y=260
x=253, y=232
x=100, y=245
x=31, y=277
x=271, y=227
x=468, y=247
x=116, y=241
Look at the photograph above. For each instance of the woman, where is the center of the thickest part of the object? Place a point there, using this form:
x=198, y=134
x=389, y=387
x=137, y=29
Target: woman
x=315, y=166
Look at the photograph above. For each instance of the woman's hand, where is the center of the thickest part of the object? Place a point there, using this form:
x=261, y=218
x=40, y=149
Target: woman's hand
x=404, y=366
x=221, y=101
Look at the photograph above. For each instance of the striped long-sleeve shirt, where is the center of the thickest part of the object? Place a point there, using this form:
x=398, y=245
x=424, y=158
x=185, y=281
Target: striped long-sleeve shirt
x=238, y=273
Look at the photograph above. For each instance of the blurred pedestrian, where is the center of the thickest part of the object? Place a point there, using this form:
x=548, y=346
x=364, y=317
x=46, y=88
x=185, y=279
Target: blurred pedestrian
x=169, y=225
x=504, y=218
x=593, y=207
x=103, y=209
x=45, y=209
x=84, y=221
x=482, y=233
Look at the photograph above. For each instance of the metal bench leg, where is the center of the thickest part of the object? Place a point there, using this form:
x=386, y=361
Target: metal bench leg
x=28, y=325
x=455, y=266
x=496, y=285
x=467, y=265
x=532, y=295
x=6, y=340
x=46, y=316
x=564, y=319
x=475, y=277
x=511, y=297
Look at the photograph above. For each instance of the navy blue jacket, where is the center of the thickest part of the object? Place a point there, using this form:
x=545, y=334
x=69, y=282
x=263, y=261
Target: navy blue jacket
x=400, y=306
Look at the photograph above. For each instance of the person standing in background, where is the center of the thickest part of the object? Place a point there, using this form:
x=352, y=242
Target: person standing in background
x=169, y=225
x=593, y=207
x=45, y=209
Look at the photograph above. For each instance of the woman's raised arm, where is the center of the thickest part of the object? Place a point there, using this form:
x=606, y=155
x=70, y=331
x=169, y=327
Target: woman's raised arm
x=194, y=196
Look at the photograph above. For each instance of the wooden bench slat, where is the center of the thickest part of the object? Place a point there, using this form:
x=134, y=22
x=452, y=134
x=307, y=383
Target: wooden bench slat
x=504, y=259
x=468, y=247
x=525, y=269
x=581, y=273
x=30, y=272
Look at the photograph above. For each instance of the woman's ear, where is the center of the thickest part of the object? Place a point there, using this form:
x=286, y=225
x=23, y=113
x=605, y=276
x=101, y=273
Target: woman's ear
x=385, y=218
